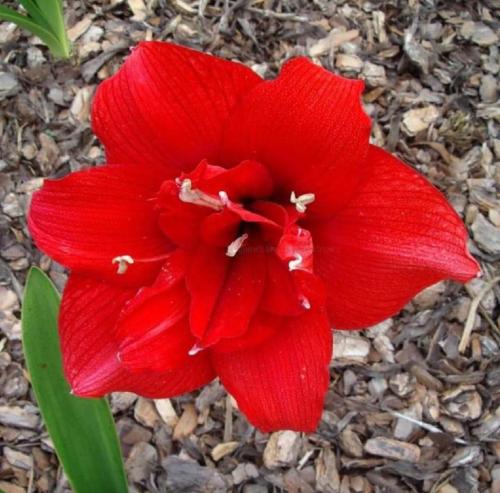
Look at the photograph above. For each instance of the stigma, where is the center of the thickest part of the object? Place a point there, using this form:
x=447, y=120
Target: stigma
x=302, y=201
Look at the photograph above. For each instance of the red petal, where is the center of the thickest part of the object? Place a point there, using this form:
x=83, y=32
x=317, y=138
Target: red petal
x=262, y=326
x=281, y=383
x=296, y=245
x=164, y=349
x=90, y=217
x=167, y=105
x=280, y=295
x=397, y=236
x=205, y=278
x=248, y=179
x=239, y=297
x=152, y=329
x=180, y=221
x=308, y=128
x=220, y=228
x=87, y=320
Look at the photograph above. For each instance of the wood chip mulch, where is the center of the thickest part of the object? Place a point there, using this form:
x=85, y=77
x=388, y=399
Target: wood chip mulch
x=407, y=410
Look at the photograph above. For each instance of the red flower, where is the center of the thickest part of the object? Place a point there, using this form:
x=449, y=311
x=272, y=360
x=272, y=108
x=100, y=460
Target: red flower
x=235, y=223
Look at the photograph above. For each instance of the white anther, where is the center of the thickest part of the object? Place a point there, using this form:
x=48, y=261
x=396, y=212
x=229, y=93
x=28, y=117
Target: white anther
x=305, y=303
x=186, y=193
x=195, y=350
x=234, y=246
x=119, y=357
x=302, y=201
x=295, y=263
x=123, y=262
x=192, y=196
x=223, y=197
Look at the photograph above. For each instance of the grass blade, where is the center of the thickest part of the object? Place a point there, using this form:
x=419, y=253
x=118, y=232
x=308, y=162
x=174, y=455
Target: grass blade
x=82, y=430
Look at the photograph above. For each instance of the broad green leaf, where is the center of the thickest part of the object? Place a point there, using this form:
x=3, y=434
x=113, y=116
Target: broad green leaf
x=58, y=47
x=82, y=430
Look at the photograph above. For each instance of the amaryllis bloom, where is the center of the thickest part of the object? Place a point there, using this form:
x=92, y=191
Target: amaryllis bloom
x=236, y=222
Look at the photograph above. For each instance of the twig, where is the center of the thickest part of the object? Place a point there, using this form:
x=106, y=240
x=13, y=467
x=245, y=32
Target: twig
x=283, y=16
x=469, y=323
x=228, y=420
x=425, y=426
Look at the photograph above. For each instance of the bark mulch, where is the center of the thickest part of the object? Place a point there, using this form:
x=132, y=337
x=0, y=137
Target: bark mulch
x=406, y=411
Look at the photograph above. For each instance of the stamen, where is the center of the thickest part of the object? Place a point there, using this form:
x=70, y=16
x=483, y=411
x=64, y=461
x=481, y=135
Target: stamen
x=295, y=263
x=193, y=196
x=195, y=350
x=223, y=197
x=234, y=246
x=123, y=262
x=305, y=303
x=302, y=201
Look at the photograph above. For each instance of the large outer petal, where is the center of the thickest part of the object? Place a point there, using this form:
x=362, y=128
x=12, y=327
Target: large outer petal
x=281, y=383
x=89, y=312
x=89, y=217
x=308, y=128
x=167, y=105
x=397, y=236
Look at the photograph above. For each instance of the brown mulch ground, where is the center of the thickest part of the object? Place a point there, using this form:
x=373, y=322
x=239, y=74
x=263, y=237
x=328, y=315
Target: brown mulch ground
x=431, y=69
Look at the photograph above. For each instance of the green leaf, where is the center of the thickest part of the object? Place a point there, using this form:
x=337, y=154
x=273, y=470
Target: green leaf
x=56, y=41
x=82, y=430
x=52, y=11
x=35, y=13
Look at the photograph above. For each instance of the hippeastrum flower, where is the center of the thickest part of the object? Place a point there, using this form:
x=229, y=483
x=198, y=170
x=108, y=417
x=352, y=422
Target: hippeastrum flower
x=235, y=223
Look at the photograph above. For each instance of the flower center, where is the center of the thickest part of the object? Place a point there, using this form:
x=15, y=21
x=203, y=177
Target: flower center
x=235, y=211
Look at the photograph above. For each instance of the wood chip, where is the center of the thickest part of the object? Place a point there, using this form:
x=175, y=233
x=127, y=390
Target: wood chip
x=417, y=120
x=393, y=449
x=223, y=449
x=167, y=412
x=282, y=449
x=327, y=475
x=187, y=423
